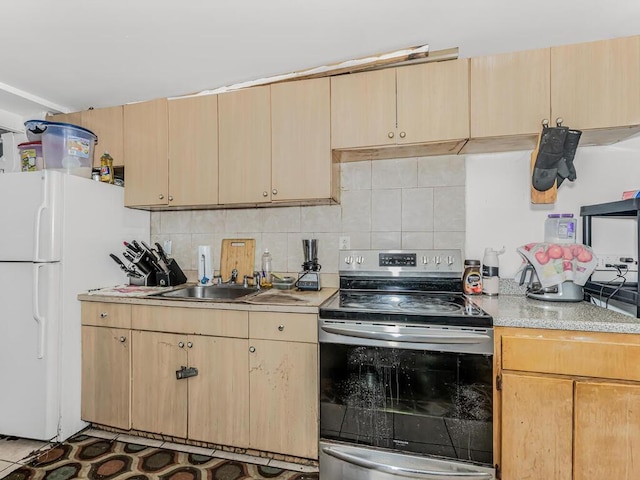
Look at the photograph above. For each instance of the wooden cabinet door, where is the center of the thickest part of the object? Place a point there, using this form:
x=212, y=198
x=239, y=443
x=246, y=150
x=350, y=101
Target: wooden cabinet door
x=433, y=102
x=244, y=126
x=363, y=109
x=106, y=376
x=146, y=153
x=74, y=118
x=159, y=402
x=284, y=397
x=108, y=125
x=219, y=394
x=537, y=427
x=595, y=85
x=301, y=140
x=510, y=93
x=193, y=151
x=607, y=431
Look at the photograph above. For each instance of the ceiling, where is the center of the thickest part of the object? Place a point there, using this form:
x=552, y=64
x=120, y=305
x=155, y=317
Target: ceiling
x=68, y=55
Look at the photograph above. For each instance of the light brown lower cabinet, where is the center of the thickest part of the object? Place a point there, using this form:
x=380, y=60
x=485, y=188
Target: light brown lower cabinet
x=106, y=364
x=567, y=404
x=212, y=406
x=256, y=386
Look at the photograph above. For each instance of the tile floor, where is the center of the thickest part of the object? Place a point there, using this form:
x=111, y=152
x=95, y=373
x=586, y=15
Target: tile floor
x=16, y=452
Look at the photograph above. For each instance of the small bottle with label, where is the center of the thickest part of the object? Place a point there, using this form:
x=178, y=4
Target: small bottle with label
x=491, y=271
x=106, y=168
x=472, y=278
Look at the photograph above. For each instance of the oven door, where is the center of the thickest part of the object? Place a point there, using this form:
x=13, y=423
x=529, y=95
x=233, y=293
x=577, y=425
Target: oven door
x=409, y=390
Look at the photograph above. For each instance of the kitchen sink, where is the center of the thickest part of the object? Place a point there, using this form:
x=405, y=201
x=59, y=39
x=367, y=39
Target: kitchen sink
x=210, y=292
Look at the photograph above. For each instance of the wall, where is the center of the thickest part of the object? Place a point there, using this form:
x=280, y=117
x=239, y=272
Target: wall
x=499, y=212
x=387, y=204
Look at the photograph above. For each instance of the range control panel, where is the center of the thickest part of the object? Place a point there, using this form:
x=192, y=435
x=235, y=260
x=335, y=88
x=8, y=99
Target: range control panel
x=401, y=262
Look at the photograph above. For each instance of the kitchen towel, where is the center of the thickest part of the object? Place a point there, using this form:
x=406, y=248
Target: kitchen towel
x=555, y=263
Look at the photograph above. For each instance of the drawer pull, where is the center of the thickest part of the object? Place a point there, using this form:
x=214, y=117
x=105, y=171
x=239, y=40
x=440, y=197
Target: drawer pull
x=281, y=327
x=252, y=349
x=103, y=314
x=181, y=344
x=123, y=339
x=189, y=344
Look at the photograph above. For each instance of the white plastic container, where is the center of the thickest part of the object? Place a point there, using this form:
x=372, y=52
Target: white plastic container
x=560, y=228
x=31, y=156
x=65, y=146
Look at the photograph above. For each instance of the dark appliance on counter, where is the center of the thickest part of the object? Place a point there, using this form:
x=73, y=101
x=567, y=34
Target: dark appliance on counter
x=309, y=277
x=149, y=266
x=621, y=291
x=406, y=371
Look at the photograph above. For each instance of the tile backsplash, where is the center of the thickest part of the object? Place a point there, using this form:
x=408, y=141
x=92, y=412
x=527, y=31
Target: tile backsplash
x=387, y=204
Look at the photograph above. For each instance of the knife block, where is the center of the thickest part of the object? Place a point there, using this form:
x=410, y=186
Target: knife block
x=174, y=277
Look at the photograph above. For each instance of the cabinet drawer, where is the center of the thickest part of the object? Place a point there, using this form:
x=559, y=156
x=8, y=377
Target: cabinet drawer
x=116, y=315
x=198, y=321
x=296, y=327
x=601, y=359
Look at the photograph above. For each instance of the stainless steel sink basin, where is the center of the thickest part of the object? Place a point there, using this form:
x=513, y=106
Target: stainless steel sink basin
x=209, y=292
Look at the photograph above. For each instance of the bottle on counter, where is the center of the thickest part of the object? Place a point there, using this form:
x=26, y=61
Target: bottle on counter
x=491, y=271
x=106, y=168
x=472, y=277
x=266, y=268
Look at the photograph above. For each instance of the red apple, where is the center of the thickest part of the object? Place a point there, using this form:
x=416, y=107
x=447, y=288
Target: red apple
x=542, y=257
x=554, y=251
x=585, y=256
x=576, y=249
x=566, y=253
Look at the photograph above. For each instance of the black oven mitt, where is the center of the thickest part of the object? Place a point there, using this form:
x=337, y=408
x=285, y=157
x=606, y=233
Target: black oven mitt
x=566, y=169
x=550, y=152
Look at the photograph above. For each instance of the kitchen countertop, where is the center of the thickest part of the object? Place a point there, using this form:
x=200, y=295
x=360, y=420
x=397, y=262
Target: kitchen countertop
x=520, y=311
x=270, y=300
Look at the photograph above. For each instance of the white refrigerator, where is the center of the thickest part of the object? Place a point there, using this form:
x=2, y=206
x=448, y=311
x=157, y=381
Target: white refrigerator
x=56, y=233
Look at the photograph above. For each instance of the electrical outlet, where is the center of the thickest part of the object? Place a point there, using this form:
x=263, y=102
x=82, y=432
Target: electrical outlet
x=345, y=243
x=167, y=247
x=616, y=259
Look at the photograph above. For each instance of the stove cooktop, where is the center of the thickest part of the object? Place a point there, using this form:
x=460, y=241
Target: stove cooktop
x=405, y=307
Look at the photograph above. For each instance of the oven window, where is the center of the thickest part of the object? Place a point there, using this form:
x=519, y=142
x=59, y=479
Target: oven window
x=427, y=402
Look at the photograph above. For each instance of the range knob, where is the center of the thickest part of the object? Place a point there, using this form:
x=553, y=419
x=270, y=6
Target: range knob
x=437, y=260
x=348, y=260
x=359, y=260
x=450, y=259
x=425, y=259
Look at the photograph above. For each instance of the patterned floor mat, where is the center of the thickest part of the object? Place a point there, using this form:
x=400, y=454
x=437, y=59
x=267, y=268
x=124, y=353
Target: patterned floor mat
x=97, y=459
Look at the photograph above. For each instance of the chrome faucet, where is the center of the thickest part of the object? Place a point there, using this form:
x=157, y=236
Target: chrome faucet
x=234, y=276
x=255, y=278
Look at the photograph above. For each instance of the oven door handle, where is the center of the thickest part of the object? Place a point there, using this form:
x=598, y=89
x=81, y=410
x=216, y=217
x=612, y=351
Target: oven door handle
x=448, y=337
x=403, y=471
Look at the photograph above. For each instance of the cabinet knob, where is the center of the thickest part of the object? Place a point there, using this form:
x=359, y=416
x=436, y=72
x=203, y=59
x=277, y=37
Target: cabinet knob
x=559, y=121
x=390, y=134
x=103, y=314
x=402, y=134
x=190, y=344
x=123, y=339
x=170, y=198
x=264, y=194
x=545, y=122
x=281, y=327
x=252, y=349
x=274, y=191
x=181, y=344
x=161, y=196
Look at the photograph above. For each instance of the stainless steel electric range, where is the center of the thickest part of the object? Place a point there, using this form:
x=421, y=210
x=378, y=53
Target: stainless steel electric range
x=406, y=364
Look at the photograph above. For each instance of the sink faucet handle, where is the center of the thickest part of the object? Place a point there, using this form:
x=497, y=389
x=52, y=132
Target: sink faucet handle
x=256, y=279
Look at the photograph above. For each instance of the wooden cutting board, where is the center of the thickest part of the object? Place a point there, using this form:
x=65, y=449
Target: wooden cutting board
x=238, y=253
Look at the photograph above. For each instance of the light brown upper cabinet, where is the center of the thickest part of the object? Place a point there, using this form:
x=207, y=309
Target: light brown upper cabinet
x=510, y=94
x=146, y=153
x=596, y=84
x=244, y=126
x=301, y=167
x=193, y=151
x=589, y=86
x=75, y=118
x=406, y=105
x=107, y=124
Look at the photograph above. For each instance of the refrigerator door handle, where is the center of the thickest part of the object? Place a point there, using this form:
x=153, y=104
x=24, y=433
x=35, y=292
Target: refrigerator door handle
x=36, y=243
x=40, y=320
